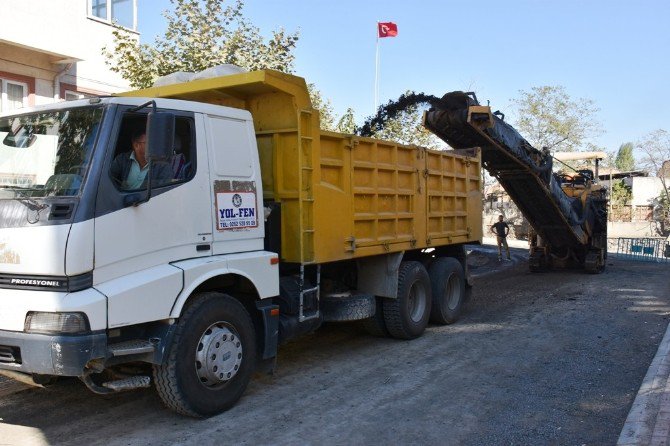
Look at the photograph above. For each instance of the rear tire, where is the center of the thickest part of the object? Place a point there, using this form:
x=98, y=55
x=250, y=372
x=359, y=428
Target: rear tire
x=448, y=288
x=211, y=358
x=537, y=262
x=594, y=263
x=375, y=325
x=406, y=317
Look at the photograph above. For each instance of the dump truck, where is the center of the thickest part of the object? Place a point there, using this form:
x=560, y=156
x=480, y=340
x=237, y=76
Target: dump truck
x=266, y=228
x=568, y=211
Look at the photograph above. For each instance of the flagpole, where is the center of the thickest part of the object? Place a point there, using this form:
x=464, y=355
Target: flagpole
x=376, y=92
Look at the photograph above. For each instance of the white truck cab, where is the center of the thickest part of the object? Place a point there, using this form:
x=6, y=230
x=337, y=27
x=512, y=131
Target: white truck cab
x=92, y=274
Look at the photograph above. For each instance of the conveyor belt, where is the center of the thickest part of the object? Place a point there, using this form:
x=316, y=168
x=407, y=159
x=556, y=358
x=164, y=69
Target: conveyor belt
x=523, y=171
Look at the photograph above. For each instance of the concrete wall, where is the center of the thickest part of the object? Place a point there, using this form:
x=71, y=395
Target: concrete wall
x=631, y=229
x=40, y=34
x=645, y=189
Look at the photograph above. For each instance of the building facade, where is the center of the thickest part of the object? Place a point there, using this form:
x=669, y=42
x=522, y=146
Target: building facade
x=53, y=50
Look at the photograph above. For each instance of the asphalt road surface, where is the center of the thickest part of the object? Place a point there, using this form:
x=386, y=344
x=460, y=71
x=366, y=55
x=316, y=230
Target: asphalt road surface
x=552, y=358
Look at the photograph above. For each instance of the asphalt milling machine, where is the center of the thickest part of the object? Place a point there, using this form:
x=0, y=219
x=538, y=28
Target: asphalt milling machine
x=568, y=211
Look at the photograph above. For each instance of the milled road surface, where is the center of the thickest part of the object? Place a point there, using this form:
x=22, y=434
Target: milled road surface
x=553, y=358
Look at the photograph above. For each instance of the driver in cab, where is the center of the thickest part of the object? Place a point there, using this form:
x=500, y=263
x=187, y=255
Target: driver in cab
x=130, y=169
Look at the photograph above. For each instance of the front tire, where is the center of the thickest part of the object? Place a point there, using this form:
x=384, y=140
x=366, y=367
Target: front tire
x=407, y=316
x=211, y=358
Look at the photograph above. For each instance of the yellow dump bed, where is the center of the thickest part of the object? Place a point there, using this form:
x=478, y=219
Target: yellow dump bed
x=343, y=196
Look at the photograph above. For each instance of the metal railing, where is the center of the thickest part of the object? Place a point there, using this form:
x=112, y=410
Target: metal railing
x=644, y=249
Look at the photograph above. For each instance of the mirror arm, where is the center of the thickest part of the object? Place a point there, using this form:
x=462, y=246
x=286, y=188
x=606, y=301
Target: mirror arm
x=151, y=103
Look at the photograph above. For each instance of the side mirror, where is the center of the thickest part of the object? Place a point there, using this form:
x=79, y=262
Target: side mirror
x=160, y=135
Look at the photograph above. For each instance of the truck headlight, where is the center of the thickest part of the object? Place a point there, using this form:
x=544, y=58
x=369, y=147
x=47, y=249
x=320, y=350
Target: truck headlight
x=56, y=323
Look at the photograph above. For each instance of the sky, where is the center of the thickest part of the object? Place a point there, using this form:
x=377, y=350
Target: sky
x=614, y=52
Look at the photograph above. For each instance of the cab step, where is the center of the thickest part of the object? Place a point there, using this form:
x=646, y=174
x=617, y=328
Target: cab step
x=134, y=347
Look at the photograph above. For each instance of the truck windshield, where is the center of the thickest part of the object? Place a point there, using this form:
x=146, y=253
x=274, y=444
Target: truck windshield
x=46, y=154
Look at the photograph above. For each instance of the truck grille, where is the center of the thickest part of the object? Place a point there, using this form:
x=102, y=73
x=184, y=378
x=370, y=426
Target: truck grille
x=10, y=355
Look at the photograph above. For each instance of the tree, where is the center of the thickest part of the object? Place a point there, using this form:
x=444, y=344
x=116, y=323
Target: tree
x=621, y=193
x=625, y=161
x=655, y=150
x=326, y=112
x=549, y=117
x=200, y=34
x=347, y=123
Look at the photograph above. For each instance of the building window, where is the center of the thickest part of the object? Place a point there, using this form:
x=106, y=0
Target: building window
x=121, y=12
x=14, y=95
x=99, y=9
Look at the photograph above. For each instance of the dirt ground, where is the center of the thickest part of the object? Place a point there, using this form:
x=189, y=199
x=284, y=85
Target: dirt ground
x=552, y=358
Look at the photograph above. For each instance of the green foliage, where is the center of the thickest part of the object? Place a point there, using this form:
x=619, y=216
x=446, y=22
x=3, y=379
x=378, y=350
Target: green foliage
x=346, y=123
x=662, y=214
x=200, y=34
x=625, y=161
x=549, y=117
x=407, y=128
x=621, y=193
x=326, y=111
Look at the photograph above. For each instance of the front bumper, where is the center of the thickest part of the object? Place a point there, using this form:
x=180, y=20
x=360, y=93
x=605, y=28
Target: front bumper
x=50, y=355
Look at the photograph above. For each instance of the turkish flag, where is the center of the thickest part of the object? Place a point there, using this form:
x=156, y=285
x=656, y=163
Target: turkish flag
x=387, y=29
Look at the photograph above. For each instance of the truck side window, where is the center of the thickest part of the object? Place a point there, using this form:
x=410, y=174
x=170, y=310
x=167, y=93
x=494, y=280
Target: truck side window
x=129, y=167
x=183, y=159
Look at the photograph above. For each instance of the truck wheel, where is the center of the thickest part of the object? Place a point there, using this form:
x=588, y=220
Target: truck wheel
x=407, y=316
x=211, y=358
x=375, y=325
x=594, y=263
x=448, y=288
x=537, y=262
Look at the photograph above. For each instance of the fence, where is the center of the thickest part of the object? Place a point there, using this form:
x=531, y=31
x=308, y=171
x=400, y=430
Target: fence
x=644, y=249
x=628, y=213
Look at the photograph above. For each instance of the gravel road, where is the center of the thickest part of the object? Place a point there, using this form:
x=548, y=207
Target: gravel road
x=552, y=358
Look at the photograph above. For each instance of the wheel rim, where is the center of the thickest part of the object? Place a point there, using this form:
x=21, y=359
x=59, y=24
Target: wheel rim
x=452, y=292
x=416, y=302
x=219, y=355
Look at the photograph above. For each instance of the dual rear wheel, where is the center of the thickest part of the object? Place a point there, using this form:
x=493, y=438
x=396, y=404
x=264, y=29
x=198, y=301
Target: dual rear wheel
x=435, y=295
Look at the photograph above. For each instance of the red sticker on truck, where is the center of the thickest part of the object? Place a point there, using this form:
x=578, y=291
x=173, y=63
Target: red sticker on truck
x=236, y=210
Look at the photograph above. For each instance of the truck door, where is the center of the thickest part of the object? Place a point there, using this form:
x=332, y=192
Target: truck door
x=135, y=244
x=236, y=184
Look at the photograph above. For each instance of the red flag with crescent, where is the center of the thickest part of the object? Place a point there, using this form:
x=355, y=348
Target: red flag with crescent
x=387, y=29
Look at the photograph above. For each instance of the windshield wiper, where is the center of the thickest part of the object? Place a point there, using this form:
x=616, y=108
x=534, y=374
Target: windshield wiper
x=26, y=201
x=32, y=204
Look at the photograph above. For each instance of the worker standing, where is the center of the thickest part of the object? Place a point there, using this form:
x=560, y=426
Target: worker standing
x=501, y=229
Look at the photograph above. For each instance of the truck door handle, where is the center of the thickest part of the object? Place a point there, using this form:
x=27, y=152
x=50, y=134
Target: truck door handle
x=203, y=247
